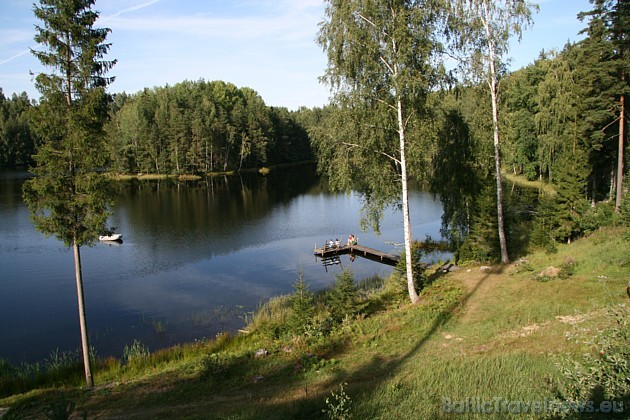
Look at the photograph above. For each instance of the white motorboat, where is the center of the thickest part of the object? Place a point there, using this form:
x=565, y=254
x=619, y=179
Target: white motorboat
x=110, y=237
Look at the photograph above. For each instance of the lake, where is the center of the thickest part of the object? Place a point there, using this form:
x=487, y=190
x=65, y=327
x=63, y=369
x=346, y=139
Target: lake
x=197, y=257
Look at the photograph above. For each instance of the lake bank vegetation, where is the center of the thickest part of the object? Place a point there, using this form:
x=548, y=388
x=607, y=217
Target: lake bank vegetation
x=473, y=334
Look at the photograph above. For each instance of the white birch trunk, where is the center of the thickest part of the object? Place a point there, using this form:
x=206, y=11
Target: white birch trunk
x=405, y=205
x=492, y=83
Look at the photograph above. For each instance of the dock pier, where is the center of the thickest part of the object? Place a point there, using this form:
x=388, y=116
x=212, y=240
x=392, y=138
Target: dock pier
x=360, y=250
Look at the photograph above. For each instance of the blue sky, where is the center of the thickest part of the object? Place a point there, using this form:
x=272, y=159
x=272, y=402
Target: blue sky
x=267, y=45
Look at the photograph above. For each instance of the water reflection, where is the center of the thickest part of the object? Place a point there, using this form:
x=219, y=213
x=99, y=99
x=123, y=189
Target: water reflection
x=196, y=257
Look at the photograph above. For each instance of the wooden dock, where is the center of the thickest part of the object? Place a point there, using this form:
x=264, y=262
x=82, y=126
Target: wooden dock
x=359, y=250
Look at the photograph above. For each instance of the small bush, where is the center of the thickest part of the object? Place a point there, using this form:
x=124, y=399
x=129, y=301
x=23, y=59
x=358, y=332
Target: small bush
x=135, y=353
x=568, y=268
x=593, y=218
x=58, y=361
x=342, y=299
x=421, y=280
x=271, y=320
x=602, y=374
x=338, y=405
x=60, y=409
x=215, y=366
x=302, y=304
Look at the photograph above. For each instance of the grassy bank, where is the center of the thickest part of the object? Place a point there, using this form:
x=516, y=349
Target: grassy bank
x=498, y=336
x=521, y=181
x=264, y=170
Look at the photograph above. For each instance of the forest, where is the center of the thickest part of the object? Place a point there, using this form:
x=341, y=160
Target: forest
x=562, y=120
x=189, y=128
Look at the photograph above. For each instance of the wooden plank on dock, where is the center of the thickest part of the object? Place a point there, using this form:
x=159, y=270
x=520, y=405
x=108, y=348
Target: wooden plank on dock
x=375, y=253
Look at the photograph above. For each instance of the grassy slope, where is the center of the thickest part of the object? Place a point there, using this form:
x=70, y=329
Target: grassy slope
x=475, y=335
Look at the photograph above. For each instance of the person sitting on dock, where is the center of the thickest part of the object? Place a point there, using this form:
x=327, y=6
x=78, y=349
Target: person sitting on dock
x=352, y=240
x=331, y=244
x=337, y=243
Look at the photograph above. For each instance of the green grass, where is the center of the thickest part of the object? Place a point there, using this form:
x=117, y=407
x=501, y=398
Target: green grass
x=475, y=336
x=521, y=181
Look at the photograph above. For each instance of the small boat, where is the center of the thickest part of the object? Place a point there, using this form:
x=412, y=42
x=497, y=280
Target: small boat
x=111, y=237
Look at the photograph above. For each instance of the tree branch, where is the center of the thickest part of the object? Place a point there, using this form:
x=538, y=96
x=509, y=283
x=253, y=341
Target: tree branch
x=378, y=151
x=369, y=22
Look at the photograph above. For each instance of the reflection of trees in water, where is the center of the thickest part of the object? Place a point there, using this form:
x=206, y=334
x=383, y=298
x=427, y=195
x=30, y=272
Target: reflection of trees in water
x=193, y=219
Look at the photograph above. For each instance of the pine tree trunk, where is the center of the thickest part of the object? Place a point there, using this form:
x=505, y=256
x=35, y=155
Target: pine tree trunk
x=405, y=204
x=622, y=123
x=82, y=320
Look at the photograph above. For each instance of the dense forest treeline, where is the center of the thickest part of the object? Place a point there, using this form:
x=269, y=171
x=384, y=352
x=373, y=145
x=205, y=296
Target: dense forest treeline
x=191, y=127
x=201, y=127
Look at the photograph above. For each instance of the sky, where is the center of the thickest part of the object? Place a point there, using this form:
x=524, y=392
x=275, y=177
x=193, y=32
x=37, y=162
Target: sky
x=266, y=45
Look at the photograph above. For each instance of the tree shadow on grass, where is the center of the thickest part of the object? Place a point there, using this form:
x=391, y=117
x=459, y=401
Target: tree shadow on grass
x=280, y=385
x=370, y=376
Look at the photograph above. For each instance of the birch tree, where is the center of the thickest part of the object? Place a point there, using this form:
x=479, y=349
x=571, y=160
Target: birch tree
x=380, y=69
x=484, y=29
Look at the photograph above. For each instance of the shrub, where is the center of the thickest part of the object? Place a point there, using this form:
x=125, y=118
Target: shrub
x=60, y=409
x=136, y=352
x=215, y=366
x=419, y=268
x=603, y=374
x=339, y=405
x=342, y=299
x=568, y=268
x=593, y=218
x=271, y=320
x=302, y=304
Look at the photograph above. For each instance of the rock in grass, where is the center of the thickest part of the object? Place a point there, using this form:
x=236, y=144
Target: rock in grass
x=261, y=353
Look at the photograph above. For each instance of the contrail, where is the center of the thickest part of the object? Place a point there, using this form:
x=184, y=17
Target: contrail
x=130, y=9
x=6, y=60
x=127, y=10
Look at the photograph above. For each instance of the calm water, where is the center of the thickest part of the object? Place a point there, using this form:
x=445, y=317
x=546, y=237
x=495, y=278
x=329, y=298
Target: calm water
x=196, y=257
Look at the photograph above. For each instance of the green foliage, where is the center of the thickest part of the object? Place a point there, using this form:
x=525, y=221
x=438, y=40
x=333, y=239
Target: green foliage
x=302, y=304
x=568, y=267
x=343, y=298
x=601, y=374
x=68, y=198
x=17, y=142
x=419, y=268
x=215, y=366
x=271, y=320
x=201, y=127
x=137, y=353
x=338, y=408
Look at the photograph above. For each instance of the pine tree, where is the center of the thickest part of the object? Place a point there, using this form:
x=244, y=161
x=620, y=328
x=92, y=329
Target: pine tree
x=303, y=305
x=601, y=74
x=342, y=299
x=67, y=197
